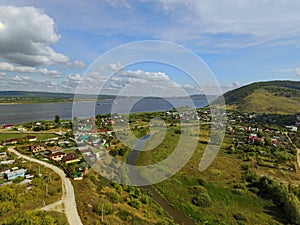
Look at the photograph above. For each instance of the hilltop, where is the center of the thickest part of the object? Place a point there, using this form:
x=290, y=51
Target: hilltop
x=272, y=97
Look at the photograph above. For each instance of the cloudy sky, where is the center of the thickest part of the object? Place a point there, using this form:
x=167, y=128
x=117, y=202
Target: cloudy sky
x=50, y=45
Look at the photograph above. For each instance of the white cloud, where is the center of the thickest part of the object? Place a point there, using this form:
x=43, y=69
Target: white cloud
x=145, y=75
x=75, y=77
x=298, y=71
x=115, y=67
x=238, y=23
x=51, y=73
x=20, y=78
x=231, y=86
x=2, y=74
x=77, y=64
x=26, y=35
x=118, y=3
x=26, y=69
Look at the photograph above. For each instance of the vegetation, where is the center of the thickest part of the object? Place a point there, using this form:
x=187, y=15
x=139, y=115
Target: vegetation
x=277, y=97
x=121, y=204
x=37, y=218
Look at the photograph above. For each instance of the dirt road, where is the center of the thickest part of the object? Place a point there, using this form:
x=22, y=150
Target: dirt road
x=298, y=150
x=68, y=196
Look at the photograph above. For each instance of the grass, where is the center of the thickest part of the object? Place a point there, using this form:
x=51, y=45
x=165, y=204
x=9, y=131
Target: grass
x=263, y=101
x=40, y=137
x=95, y=189
x=224, y=173
x=35, y=198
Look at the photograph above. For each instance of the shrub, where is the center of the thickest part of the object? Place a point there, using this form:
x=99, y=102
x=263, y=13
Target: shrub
x=240, y=217
x=196, y=190
x=107, y=208
x=135, y=203
x=124, y=215
x=202, y=200
x=201, y=181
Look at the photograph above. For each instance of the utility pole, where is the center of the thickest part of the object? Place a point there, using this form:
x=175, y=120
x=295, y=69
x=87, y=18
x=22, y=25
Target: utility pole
x=102, y=212
x=46, y=189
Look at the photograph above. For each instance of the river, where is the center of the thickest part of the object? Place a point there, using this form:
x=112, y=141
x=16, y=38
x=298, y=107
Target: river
x=20, y=113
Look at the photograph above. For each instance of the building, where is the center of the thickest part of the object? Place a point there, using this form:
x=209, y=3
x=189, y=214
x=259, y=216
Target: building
x=8, y=126
x=31, y=138
x=3, y=155
x=16, y=173
x=292, y=128
x=57, y=156
x=41, y=147
x=54, y=149
x=71, y=158
x=10, y=141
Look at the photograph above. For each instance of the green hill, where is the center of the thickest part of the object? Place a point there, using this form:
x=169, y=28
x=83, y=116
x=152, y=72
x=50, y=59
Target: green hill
x=273, y=97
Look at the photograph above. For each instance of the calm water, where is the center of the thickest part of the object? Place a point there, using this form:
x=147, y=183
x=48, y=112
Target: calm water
x=20, y=113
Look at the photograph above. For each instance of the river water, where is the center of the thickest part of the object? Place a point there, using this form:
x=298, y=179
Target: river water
x=20, y=113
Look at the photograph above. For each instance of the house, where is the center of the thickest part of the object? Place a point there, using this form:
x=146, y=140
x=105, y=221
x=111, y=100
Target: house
x=3, y=155
x=253, y=137
x=16, y=173
x=7, y=162
x=57, y=156
x=10, y=141
x=41, y=147
x=292, y=128
x=31, y=138
x=8, y=126
x=88, y=154
x=54, y=149
x=71, y=158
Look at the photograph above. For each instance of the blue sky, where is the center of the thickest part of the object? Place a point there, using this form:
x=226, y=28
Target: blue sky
x=48, y=45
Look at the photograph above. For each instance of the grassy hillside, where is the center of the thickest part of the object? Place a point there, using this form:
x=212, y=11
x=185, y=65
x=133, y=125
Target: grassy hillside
x=276, y=97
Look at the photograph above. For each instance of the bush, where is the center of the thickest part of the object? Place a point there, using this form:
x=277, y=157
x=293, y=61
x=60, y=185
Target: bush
x=107, y=208
x=124, y=215
x=202, y=200
x=196, y=190
x=201, y=181
x=240, y=217
x=135, y=203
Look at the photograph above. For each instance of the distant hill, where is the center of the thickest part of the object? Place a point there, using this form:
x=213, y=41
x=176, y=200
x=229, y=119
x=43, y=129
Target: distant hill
x=273, y=97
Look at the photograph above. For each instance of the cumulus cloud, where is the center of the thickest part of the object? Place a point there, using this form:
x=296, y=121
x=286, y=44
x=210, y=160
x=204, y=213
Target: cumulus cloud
x=75, y=77
x=77, y=64
x=231, y=86
x=250, y=22
x=51, y=73
x=26, y=69
x=145, y=75
x=298, y=71
x=26, y=34
x=115, y=66
x=20, y=78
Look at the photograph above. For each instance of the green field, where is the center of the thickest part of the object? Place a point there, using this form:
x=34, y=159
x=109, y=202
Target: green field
x=40, y=137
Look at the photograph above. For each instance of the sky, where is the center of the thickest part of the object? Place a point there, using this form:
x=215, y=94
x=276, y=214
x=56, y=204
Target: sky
x=55, y=45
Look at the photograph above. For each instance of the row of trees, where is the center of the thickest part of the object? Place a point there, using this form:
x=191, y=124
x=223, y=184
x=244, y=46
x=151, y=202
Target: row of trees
x=280, y=194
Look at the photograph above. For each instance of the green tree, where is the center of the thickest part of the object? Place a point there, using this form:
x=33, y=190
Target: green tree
x=56, y=118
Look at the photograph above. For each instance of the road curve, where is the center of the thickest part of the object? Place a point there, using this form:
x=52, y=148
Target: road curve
x=68, y=196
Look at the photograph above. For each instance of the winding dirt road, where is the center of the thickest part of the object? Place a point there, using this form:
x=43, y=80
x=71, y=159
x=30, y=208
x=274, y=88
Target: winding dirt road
x=68, y=196
x=298, y=150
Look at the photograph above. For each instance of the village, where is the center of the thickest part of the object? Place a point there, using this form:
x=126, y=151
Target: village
x=56, y=146
x=76, y=152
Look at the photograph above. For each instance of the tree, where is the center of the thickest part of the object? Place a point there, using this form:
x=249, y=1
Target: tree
x=57, y=118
